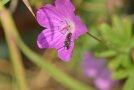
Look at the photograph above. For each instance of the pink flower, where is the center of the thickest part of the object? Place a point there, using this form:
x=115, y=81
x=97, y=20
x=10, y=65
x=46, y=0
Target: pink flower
x=95, y=68
x=63, y=27
x=92, y=66
x=104, y=81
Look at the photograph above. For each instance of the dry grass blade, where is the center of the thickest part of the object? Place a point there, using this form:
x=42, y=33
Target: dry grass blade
x=28, y=6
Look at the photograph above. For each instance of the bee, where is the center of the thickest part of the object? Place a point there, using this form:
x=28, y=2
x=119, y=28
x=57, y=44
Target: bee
x=67, y=41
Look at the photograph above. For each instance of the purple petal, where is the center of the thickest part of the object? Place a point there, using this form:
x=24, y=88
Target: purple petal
x=65, y=7
x=104, y=81
x=79, y=27
x=48, y=39
x=48, y=16
x=92, y=66
x=64, y=54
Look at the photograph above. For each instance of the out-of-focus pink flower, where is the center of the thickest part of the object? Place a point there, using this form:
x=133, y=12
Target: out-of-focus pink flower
x=92, y=66
x=63, y=27
x=95, y=68
x=104, y=81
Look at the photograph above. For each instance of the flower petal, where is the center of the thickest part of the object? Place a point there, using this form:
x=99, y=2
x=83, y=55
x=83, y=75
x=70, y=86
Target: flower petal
x=65, y=7
x=48, y=39
x=79, y=27
x=48, y=16
x=64, y=54
x=92, y=66
x=104, y=80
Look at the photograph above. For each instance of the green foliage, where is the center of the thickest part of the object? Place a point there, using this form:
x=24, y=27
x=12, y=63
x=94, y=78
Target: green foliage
x=106, y=54
x=119, y=40
x=4, y=1
x=115, y=62
x=129, y=84
x=120, y=74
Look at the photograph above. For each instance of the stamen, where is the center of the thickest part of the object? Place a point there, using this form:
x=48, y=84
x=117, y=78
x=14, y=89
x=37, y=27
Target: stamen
x=66, y=26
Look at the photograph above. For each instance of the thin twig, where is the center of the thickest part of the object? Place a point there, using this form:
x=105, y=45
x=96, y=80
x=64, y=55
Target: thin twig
x=94, y=37
x=28, y=6
x=104, y=43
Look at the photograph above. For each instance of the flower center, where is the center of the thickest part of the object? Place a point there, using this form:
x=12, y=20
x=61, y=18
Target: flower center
x=67, y=26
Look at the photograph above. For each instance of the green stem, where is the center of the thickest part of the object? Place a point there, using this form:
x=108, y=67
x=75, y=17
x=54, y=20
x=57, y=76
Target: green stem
x=95, y=37
x=7, y=24
x=57, y=74
x=52, y=70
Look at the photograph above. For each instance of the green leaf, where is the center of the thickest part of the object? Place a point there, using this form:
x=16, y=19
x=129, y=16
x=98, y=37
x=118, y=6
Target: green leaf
x=106, y=54
x=123, y=28
x=116, y=24
x=115, y=63
x=126, y=61
x=4, y=1
x=129, y=84
x=132, y=42
x=121, y=60
x=127, y=28
x=120, y=74
x=109, y=35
